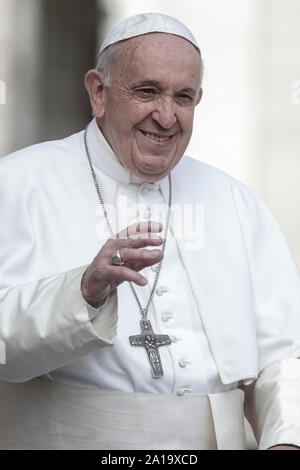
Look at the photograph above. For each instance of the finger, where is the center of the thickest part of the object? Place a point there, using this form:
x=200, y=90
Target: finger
x=145, y=227
x=122, y=273
x=135, y=243
x=140, y=257
x=140, y=242
x=140, y=228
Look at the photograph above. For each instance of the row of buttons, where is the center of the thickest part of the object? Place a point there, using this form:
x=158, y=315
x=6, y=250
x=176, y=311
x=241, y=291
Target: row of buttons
x=165, y=317
x=145, y=189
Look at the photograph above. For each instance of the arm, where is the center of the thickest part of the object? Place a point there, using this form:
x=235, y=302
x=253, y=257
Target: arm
x=273, y=405
x=273, y=400
x=46, y=324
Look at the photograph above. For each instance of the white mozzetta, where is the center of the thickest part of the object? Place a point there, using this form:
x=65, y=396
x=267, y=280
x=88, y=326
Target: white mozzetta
x=234, y=299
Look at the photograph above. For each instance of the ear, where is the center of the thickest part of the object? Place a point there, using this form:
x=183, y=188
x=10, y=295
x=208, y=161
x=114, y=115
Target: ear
x=199, y=96
x=95, y=88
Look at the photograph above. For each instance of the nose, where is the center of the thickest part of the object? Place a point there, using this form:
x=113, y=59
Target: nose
x=165, y=113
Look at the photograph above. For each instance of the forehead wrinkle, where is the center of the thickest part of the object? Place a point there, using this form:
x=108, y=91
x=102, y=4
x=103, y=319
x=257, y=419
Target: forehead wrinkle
x=137, y=42
x=131, y=46
x=130, y=49
x=128, y=54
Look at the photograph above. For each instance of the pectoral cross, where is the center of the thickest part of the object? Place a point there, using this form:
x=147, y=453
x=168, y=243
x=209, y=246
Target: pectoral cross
x=151, y=342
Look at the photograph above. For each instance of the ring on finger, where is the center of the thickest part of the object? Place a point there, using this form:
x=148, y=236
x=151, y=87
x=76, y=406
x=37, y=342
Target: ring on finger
x=116, y=258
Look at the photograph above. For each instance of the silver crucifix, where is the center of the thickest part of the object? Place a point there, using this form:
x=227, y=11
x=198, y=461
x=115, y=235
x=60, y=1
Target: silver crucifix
x=151, y=342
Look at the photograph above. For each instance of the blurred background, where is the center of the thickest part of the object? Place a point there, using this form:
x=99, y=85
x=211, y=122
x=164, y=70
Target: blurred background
x=247, y=123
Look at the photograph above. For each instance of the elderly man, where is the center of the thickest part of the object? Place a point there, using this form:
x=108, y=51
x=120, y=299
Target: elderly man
x=122, y=329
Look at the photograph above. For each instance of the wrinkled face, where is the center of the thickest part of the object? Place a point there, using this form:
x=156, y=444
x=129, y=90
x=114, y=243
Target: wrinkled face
x=148, y=111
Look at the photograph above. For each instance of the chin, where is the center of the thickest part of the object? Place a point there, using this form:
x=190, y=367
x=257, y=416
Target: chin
x=157, y=173
x=150, y=177
x=152, y=170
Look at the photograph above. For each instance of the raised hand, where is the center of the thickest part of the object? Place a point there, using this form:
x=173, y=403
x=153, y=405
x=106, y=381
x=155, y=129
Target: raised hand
x=102, y=276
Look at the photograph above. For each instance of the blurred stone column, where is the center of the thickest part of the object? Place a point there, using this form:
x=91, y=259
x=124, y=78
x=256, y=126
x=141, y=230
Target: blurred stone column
x=282, y=141
x=274, y=78
x=69, y=41
x=19, y=65
x=46, y=47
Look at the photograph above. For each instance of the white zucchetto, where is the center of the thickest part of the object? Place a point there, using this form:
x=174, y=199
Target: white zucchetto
x=145, y=23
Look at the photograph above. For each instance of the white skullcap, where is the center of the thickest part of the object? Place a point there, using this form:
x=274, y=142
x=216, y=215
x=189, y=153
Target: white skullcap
x=145, y=23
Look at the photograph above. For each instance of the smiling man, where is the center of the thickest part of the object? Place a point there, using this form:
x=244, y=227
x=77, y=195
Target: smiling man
x=122, y=330
x=146, y=115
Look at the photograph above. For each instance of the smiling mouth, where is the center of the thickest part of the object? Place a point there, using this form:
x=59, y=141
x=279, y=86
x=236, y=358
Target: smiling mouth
x=156, y=138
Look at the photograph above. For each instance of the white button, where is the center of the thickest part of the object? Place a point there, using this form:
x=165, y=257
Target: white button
x=161, y=290
x=166, y=316
x=184, y=391
x=145, y=189
x=174, y=339
x=183, y=363
x=147, y=214
x=154, y=268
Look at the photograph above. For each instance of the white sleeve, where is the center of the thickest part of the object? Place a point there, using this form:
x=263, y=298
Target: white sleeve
x=275, y=281
x=94, y=311
x=45, y=325
x=44, y=321
x=273, y=400
x=273, y=404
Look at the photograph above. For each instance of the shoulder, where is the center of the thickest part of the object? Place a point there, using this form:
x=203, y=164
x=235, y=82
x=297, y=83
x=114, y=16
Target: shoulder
x=225, y=195
x=37, y=158
x=197, y=174
x=205, y=181
x=193, y=169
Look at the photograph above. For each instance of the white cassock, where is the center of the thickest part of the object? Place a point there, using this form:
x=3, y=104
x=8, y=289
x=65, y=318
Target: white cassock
x=228, y=296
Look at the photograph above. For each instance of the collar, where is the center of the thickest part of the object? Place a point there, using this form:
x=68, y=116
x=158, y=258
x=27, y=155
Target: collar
x=105, y=159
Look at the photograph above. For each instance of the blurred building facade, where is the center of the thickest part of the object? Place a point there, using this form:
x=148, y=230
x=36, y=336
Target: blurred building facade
x=46, y=46
x=247, y=123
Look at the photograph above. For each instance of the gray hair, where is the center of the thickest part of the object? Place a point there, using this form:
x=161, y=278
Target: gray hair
x=105, y=63
x=109, y=56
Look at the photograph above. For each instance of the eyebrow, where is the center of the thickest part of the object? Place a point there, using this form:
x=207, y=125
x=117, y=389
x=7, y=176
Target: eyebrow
x=156, y=84
x=146, y=83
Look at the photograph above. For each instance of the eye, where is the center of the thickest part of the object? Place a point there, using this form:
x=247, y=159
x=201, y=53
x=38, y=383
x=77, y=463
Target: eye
x=145, y=92
x=184, y=99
